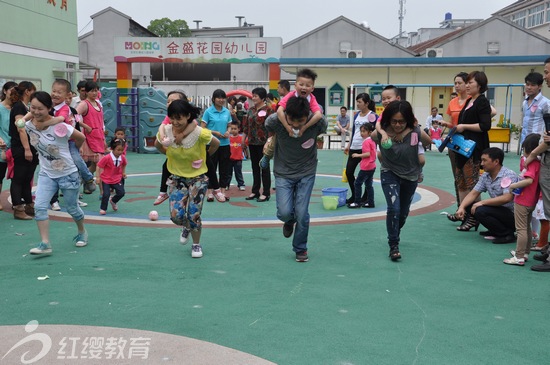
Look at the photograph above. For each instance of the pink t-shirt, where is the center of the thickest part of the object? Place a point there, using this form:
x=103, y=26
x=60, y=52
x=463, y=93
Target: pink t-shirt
x=63, y=110
x=368, y=163
x=94, y=118
x=529, y=196
x=313, y=105
x=435, y=133
x=111, y=174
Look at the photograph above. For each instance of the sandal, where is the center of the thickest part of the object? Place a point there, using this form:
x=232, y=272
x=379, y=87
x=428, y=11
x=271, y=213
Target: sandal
x=395, y=254
x=210, y=198
x=453, y=218
x=161, y=199
x=539, y=248
x=219, y=196
x=470, y=223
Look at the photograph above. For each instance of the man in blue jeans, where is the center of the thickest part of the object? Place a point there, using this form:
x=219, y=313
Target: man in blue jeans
x=294, y=167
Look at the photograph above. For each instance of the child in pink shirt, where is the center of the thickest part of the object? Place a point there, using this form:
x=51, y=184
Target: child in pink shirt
x=367, y=168
x=526, y=193
x=112, y=172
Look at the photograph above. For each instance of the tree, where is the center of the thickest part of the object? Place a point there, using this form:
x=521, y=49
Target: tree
x=169, y=28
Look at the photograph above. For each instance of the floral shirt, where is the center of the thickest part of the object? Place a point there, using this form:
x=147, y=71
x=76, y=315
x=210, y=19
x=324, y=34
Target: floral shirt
x=254, y=125
x=53, y=150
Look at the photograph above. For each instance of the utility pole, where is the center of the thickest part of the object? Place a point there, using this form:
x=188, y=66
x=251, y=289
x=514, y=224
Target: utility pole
x=401, y=13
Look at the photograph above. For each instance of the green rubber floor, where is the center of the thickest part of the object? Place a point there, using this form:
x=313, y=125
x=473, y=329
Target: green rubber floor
x=450, y=300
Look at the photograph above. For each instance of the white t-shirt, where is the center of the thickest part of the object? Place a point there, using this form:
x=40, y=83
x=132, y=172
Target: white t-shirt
x=356, y=139
x=53, y=151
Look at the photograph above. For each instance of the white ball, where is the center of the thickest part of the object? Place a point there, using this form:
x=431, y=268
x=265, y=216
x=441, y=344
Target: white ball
x=153, y=215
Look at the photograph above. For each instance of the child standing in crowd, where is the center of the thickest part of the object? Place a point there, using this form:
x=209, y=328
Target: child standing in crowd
x=120, y=134
x=237, y=145
x=57, y=170
x=112, y=172
x=525, y=202
x=186, y=161
x=435, y=131
x=163, y=195
x=305, y=83
x=367, y=168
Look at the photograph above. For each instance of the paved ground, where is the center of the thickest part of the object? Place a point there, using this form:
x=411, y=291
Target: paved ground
x=135, y=291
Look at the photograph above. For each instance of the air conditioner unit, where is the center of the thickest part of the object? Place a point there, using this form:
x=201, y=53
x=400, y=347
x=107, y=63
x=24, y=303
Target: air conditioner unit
x=434, y=52
x=354, y=53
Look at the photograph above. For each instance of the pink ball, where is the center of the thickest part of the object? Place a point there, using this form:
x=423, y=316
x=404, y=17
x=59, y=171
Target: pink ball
x=153, y=215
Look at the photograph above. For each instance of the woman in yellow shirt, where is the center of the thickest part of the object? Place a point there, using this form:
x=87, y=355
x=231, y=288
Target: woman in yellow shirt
x=186, y=162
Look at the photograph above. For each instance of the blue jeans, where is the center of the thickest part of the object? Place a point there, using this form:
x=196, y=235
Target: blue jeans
x=47, y=186
x=237, y=167
x=364, y=177
x=79, y=162
x=119, y=193
x=292, y=206
x=399, y=194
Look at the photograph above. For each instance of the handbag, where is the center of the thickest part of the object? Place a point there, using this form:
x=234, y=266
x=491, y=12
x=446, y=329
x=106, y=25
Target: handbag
x=457, y=143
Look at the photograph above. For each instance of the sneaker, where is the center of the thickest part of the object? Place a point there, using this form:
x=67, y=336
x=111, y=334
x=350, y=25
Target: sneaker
x=354, y=206
x=89, y=187
x=196, y=251
x=367, y=205
x=102, y=212
x=41, y=249
x=288, y=229
x=184, y=236
x=514, y=261
x=161, y=198
x=301, y=256
x=525, y=256
x=264, y=163
x=81, y=239
x=113, y=205
x=55, y=206
x=82, y=204
x=242, y=188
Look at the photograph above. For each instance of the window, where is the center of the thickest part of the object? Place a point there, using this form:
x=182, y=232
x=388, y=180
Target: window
x=547, y=12
x=519, y=18
x=536, y=16
x=491, y=95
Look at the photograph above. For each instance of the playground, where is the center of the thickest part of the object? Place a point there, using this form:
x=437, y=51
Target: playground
x=136, y=290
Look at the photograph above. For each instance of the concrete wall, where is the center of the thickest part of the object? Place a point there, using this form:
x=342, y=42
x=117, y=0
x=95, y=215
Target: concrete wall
x=37, y=41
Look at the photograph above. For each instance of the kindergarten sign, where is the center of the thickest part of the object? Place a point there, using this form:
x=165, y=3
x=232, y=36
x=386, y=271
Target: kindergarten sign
x=198, y=50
